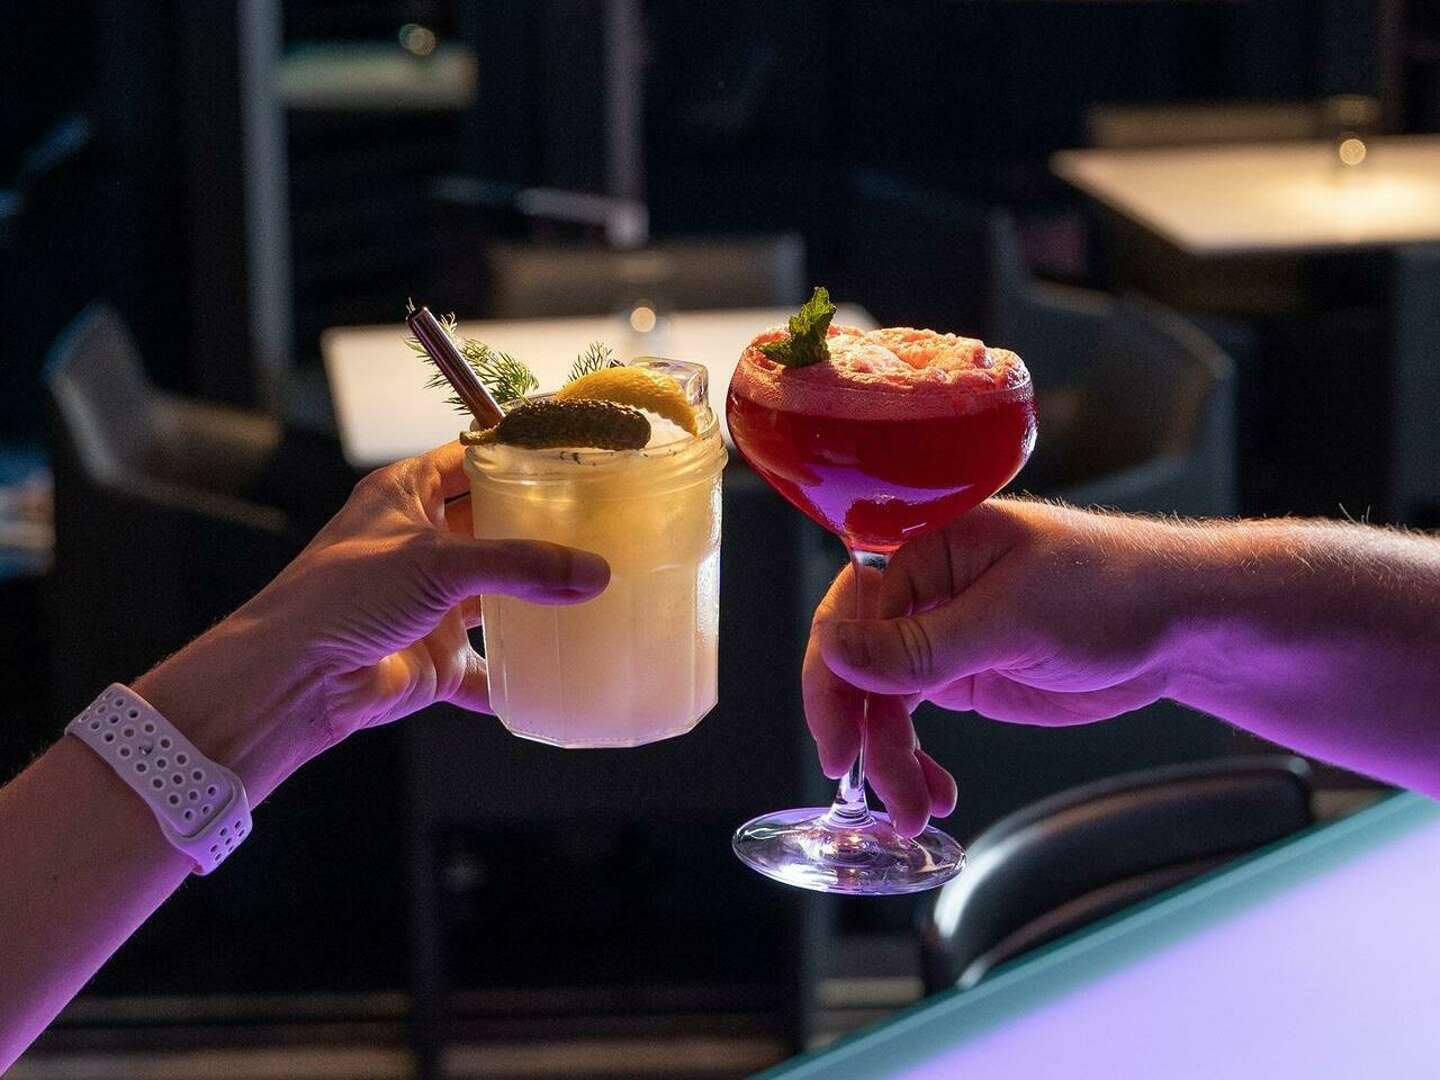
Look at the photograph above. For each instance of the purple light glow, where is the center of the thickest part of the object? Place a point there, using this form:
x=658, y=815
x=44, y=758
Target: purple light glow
x=1336, y=977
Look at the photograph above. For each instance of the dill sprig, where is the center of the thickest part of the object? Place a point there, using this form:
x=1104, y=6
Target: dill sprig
x=597, y=357
x=504, y=376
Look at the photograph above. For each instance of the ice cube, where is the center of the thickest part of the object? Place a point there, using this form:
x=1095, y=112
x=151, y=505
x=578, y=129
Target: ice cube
x=694, y=379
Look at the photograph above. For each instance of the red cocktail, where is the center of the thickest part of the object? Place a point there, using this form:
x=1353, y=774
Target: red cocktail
x=881, y=481
x=879, y=437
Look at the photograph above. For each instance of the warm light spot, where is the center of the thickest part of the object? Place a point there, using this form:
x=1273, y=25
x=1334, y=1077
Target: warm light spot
x=642, y=319
x=417, y=39
x=1353, y=151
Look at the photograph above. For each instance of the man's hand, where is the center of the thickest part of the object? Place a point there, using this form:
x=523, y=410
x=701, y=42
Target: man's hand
x=1020, y=611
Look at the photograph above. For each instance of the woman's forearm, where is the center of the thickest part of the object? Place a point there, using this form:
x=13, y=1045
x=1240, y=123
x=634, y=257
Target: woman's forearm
x=1323, y=637
x=85, y=862
x=368, y=624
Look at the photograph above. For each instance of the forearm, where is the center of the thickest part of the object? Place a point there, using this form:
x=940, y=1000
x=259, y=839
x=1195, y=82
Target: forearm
x=84, y=862
x=84, y=866
x=367, y=625
x=1322, y=637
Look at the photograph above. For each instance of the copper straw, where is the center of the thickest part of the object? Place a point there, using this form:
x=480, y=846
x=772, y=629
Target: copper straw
x=452, y=365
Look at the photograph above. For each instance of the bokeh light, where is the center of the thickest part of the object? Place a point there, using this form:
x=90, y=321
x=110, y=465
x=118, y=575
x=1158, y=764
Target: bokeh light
x=417, y=39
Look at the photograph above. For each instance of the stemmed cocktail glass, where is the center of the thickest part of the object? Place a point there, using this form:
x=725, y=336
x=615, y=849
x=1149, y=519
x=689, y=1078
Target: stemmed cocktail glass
x=876, y=461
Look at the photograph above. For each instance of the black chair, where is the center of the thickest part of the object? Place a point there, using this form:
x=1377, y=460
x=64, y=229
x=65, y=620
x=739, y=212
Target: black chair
x=1136, y=403
x=48, y=255
x=917, y=254
x=528, y=280
x=1069, y=860
x=156, y=531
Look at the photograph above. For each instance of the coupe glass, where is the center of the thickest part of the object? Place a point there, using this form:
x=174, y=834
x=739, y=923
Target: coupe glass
x=876, y=479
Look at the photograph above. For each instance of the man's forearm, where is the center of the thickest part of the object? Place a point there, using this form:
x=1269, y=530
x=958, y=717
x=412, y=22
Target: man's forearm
x=1323, y=637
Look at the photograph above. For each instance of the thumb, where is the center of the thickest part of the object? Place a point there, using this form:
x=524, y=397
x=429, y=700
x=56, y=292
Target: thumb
x=459, y=568
x=913, y=654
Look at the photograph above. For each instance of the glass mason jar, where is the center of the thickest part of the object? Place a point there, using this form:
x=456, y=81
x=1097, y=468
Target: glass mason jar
x=639, y=662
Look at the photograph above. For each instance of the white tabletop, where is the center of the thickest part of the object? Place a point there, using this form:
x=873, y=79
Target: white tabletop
x=1269, y=197
x=384, y=412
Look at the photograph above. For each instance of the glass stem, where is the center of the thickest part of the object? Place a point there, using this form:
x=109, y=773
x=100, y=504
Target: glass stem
x=850, y=807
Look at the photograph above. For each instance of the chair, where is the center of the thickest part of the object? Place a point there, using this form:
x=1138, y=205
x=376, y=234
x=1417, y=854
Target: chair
x=157, y=533
x=46, y=256
x=528, y=280
x=917, y=254
x=1074, y=858
x=1136, y=404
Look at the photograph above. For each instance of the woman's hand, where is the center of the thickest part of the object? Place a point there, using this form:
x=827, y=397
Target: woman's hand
x=367, y=625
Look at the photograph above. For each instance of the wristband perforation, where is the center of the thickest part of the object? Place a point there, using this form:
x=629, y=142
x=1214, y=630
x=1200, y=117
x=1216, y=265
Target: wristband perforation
x=200, y=805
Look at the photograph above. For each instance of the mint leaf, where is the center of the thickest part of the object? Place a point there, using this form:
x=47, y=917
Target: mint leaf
x=806, y=343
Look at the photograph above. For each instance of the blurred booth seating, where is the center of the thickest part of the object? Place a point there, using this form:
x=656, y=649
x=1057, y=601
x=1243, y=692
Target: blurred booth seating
x=1136, y=404
x=1072, y=859
x=506, y=251
x=156, y=531
x=531, y=280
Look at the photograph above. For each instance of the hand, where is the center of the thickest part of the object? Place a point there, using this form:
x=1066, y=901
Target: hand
x=367, y=625
x=1021, y=611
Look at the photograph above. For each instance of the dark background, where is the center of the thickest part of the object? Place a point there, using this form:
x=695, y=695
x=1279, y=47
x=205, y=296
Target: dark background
x=753, y=111
x=757, y=117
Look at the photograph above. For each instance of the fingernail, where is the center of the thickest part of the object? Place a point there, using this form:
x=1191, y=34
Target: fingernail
x=589, y=573
x=854, y=644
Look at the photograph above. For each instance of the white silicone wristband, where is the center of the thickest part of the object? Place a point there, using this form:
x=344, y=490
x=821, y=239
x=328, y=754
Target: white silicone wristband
x=200, y=806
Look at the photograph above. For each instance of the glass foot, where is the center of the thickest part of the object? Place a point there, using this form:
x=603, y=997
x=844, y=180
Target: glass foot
x=817, y=849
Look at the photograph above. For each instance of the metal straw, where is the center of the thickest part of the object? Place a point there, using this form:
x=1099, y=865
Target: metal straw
x=452, y=365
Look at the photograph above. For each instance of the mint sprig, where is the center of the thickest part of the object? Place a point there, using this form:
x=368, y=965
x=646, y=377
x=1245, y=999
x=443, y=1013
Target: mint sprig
x=806, y=343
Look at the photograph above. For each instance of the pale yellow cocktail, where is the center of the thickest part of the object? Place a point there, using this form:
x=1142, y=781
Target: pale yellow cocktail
x=639, y=662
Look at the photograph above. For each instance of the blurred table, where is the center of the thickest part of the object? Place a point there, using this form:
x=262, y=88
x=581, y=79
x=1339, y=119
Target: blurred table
x=384, y=411
x=1269, y=198
x=1225, y=229
x=1314, y=958
x=358, y=77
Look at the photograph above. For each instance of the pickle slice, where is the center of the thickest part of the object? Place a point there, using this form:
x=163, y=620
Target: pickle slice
x=545, y=425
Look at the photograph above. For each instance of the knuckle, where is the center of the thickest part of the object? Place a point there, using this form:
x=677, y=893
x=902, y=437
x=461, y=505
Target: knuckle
x=916, y=647
x=422, y=554
x=527, y=562
x=377, y=486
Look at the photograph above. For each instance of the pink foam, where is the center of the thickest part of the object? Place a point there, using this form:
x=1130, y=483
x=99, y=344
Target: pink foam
x=890, y=374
